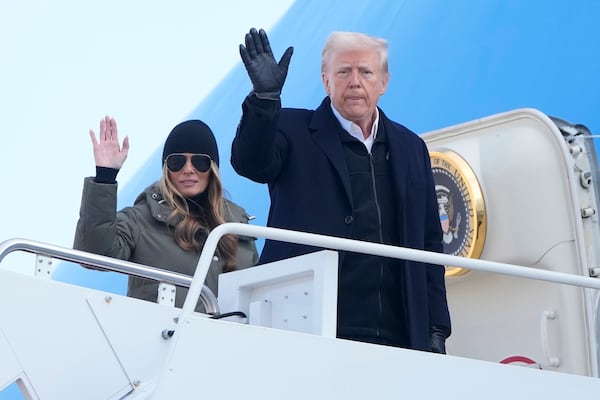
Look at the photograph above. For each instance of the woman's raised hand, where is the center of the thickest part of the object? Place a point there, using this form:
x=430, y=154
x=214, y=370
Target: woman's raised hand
x=107, y=150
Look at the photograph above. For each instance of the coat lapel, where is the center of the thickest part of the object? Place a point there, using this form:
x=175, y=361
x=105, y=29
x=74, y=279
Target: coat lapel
x=399, y=153
x=323, y=128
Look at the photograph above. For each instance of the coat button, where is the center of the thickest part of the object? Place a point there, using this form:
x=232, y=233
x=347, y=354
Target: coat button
x=349, y=219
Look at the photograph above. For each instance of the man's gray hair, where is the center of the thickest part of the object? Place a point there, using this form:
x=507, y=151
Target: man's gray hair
x=344, y=41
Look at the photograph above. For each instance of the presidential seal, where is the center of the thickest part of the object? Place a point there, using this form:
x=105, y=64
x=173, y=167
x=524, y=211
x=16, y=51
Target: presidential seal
x=460, y=205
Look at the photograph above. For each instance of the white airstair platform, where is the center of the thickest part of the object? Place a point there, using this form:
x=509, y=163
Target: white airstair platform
x=61, y=341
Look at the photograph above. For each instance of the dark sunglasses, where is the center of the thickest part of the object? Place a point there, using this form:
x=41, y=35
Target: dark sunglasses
x=176, y=161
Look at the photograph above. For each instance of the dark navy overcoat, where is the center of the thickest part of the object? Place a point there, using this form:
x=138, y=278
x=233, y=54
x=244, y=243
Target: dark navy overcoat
x=299, y=154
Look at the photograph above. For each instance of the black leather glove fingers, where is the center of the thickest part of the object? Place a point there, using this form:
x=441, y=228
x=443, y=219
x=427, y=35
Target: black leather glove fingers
x=267, y=75
x=438, y=340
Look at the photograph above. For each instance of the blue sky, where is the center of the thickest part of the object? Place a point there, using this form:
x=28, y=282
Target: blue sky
x=66, y=64
x=151, y=64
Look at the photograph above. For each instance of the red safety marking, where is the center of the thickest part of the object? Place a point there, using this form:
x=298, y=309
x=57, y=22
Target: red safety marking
x=523, y=359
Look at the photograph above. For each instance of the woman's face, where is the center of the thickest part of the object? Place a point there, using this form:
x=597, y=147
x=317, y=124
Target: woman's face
x=188, y=180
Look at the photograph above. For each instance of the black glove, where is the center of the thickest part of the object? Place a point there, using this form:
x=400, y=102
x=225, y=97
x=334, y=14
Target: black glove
x=266, y=74
x=438, y=340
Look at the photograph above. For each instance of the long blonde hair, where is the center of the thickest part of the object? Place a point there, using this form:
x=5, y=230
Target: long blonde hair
x=190, y=230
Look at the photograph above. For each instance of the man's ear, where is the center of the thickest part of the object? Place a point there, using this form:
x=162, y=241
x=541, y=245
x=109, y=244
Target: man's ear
x=325, y=83
x=384, y=83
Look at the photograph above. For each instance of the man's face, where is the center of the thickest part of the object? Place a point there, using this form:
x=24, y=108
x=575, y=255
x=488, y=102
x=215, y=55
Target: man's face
x=354, y=80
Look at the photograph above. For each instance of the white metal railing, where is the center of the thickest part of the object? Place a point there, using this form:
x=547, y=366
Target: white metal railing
x=206, y=296
x=336, y=243
x=197, y=289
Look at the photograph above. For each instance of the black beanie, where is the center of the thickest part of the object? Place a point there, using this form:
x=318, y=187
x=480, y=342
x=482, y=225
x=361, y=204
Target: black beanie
x=192, y=136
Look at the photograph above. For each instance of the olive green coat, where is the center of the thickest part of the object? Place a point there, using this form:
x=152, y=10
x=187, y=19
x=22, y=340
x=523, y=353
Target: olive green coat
x=141, y=234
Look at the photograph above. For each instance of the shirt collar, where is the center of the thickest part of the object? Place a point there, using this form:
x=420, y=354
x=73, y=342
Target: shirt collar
x=353, y=128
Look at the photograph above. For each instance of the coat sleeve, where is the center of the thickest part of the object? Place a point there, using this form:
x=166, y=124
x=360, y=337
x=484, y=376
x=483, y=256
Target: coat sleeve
x=100, y=229
x=258, y=150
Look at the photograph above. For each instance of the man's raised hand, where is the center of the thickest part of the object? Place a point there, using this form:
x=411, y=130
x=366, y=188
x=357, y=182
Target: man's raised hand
x=267, y=75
